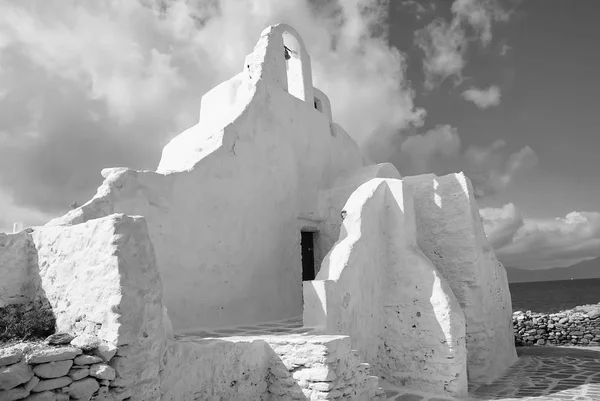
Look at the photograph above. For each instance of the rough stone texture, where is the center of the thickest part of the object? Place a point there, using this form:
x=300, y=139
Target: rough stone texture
x=60, y=339
x=44, y=355
x=83, y=389
x=102, y=371
x=120, y=301
x=31, y=383
x=376, y=286
x=51, y=380
x=17, y=393
x=102, y=277
x=43, y=396
x=319, y=367
x=564, y=328
x=107, y=351
x=87, y=359
x=51, y=370
x=78, y=374
x=216, y=369
x=86, y=342
x=13, y=375
x=10, y=355
x=106, y=255
x=275, y=367
x=113, y=394
x=450, y=233
x=51, y=384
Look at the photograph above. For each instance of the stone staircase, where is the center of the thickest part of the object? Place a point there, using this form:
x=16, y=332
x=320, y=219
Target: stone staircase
x=296, y=362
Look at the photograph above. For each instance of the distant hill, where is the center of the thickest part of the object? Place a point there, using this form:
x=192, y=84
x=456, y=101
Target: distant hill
x=587, y=269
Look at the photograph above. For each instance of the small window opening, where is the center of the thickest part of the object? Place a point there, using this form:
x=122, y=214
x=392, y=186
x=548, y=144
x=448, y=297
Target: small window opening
x=307, y=243
x=318, y=105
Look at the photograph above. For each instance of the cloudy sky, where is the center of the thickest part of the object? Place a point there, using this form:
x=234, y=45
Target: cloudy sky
x=504, y=90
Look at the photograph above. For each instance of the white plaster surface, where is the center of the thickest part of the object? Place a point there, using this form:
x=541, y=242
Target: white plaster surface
x=332, y=202
x=377, y=286
x=272, y=367
x=219, y=245
x=231, y=195
x=100, y=277
x=213, y=369
x=450, y=233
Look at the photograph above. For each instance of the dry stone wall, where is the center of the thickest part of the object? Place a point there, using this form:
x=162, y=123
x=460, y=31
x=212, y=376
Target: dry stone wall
x=64, y=368
x=570, y=327
x=101, y=282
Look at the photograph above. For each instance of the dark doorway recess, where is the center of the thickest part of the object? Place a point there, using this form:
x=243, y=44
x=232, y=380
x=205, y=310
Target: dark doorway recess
x=308, y=255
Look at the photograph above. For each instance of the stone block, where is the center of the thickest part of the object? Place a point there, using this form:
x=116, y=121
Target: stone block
x=78, y=374
x=10, y=355
x=52, y=354
x=17, y=393
x=52, y=384
x=83, y=389
x=13, y=375
x=51, y=370
x=86, y=342
x=102, y=371
x=87, y=359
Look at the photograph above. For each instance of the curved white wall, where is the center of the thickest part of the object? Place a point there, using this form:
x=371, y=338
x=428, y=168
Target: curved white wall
x=376, y=286
x=450, y=233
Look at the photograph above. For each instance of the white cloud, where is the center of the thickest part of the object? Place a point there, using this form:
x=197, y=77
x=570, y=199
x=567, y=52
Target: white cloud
x=501, y=224
x=491, y=169
x=418, y=7
x=444, y=46
x=483, y=98
x=480, y=14
x=442, y=141
x=445, y=43
x=88, y=85
x=536, y=244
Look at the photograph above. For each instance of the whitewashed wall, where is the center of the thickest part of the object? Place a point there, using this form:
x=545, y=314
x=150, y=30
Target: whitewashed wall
x=231, y=195
x=377, y=286
x=450, y=233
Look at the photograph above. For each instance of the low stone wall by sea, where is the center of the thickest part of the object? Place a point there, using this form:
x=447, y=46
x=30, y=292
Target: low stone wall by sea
x=62, y=368
x=576, y=327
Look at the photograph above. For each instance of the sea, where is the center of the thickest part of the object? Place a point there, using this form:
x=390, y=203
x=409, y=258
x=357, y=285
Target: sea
x=554, y=296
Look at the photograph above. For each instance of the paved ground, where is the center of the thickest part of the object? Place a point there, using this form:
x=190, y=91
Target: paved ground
x=548, y=373
x=541, y=374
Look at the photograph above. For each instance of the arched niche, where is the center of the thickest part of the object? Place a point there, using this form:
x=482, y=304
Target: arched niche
x=281, y=59
x=321, y=103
